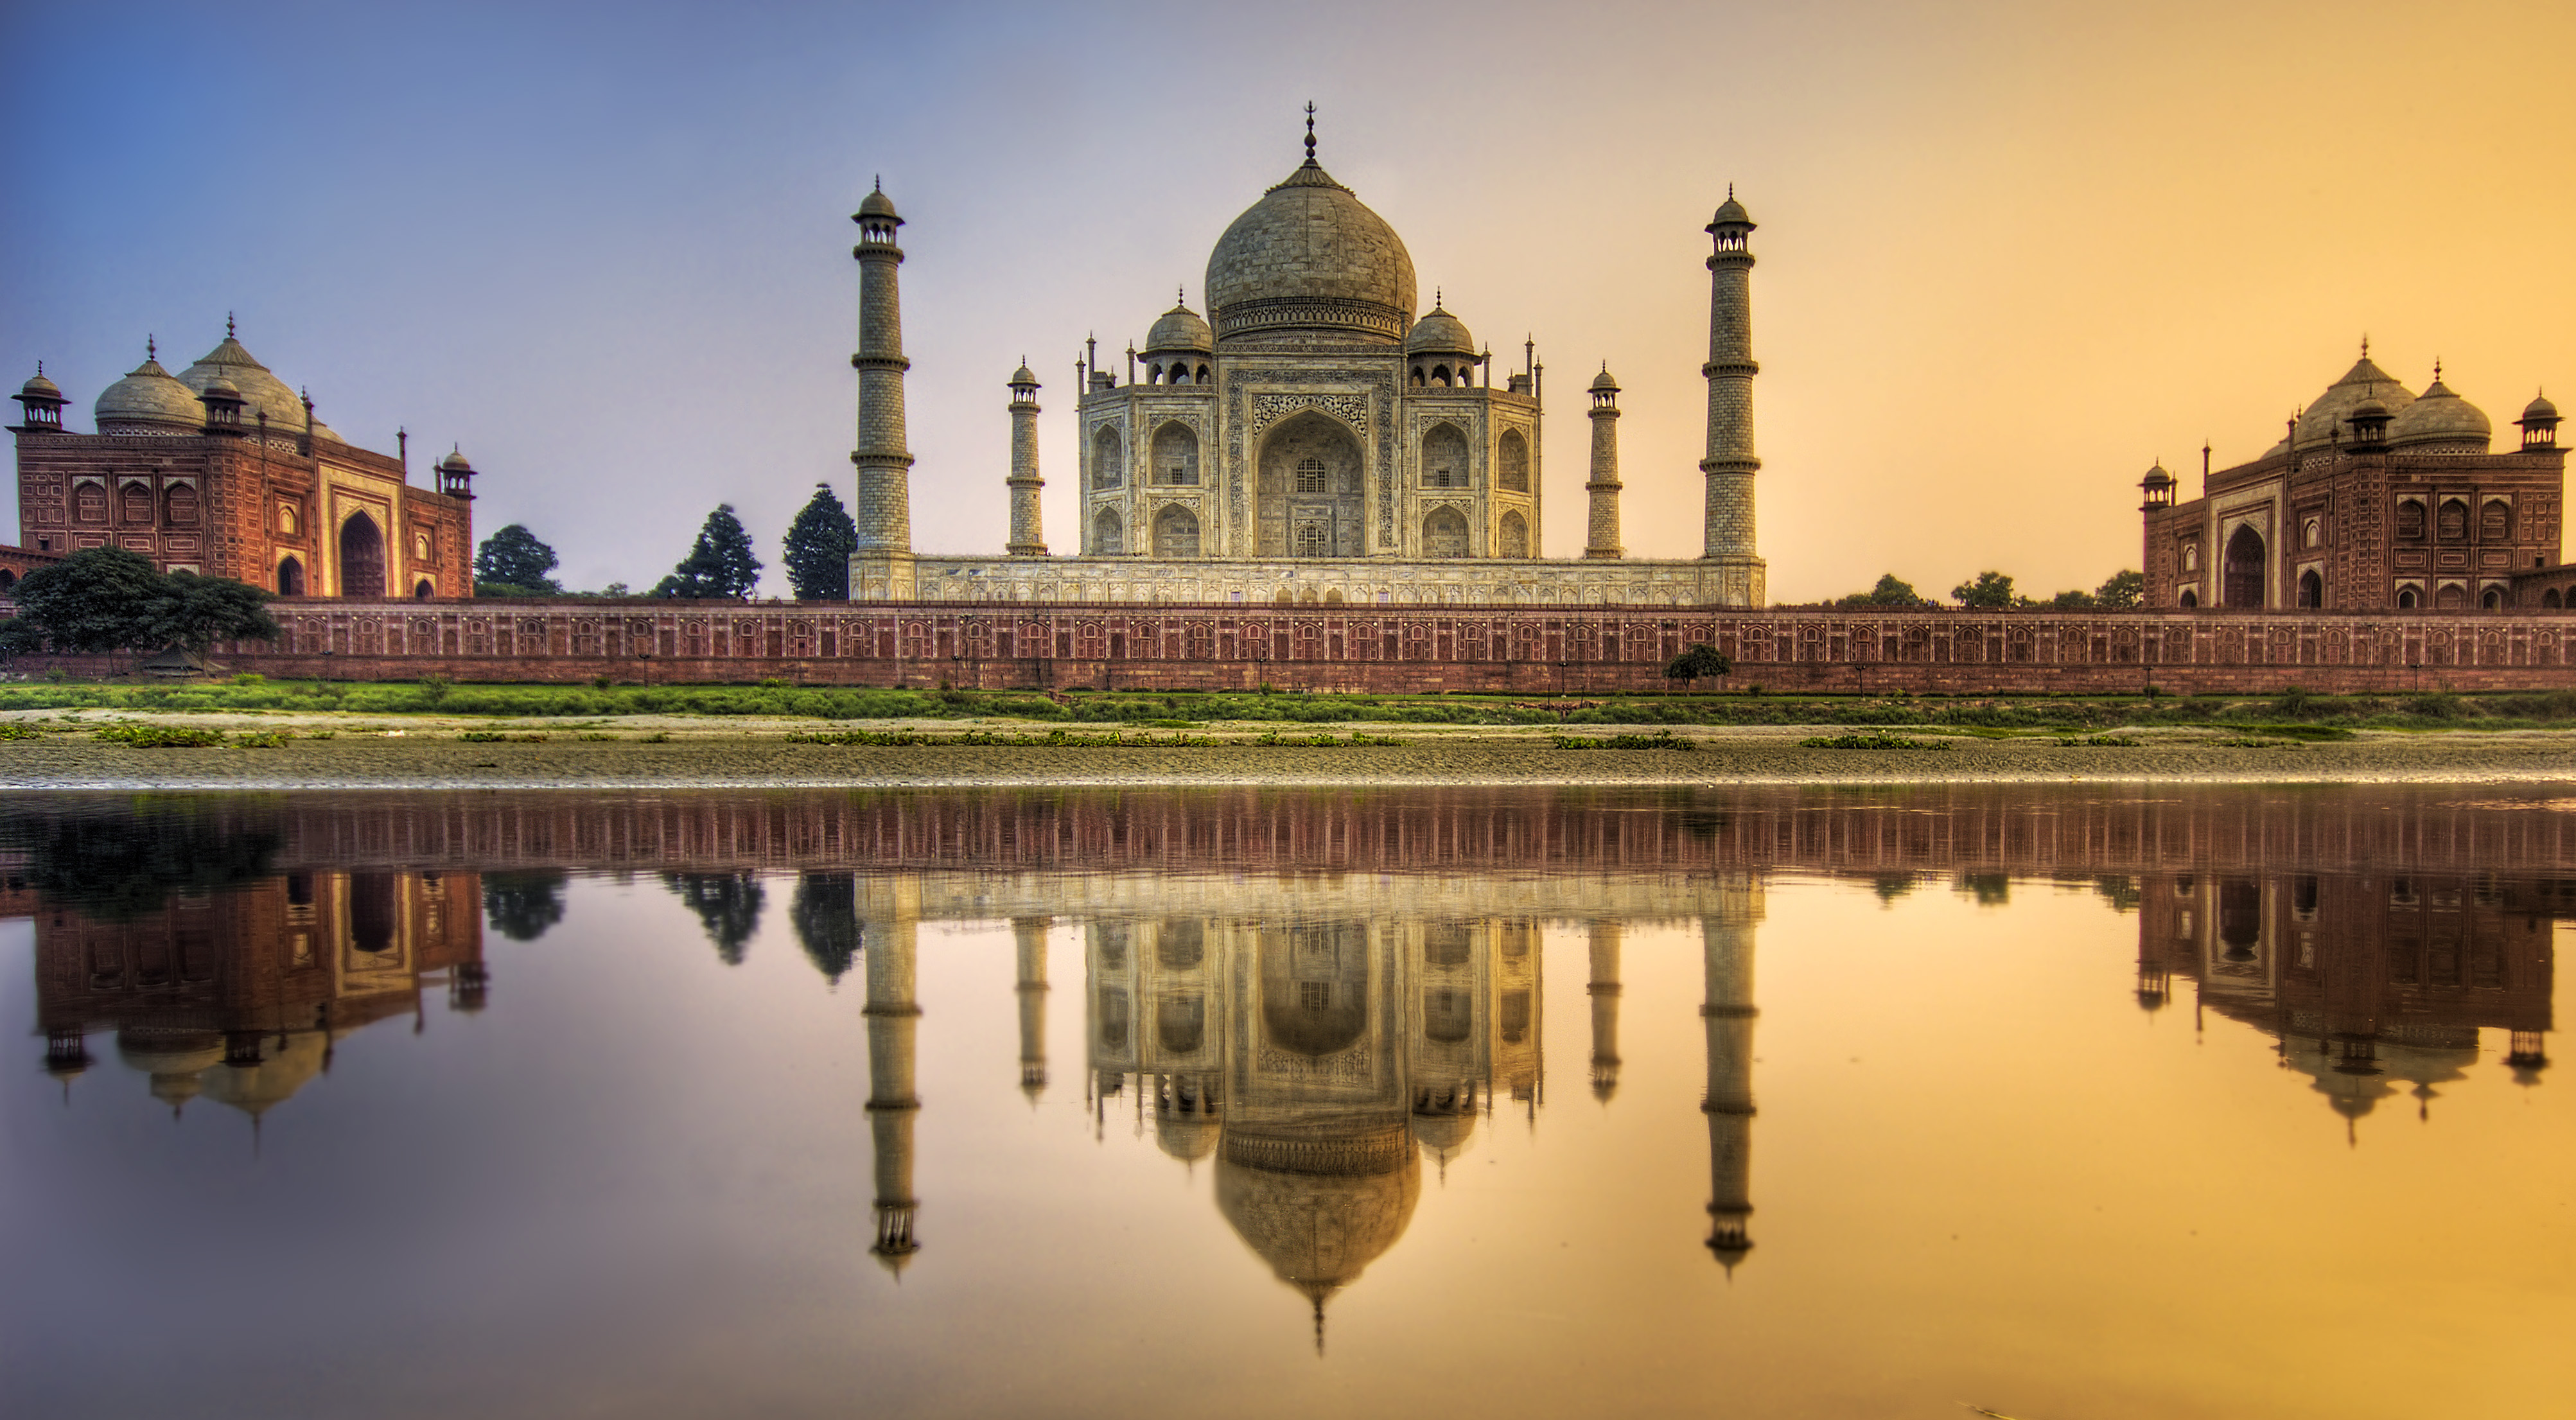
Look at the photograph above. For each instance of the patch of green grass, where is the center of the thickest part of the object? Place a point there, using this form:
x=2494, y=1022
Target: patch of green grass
x=262, y=739
x=2097, y=742
x=1661, y=739
x=159, y=736
x=16, y=731
x=1870, y=742
x=482, y=737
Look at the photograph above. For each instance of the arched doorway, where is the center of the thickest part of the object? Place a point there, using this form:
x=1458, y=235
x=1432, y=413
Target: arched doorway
x=422, y=591
x=1108, y=459
x=2190, y=599
x=1512, y=463
x=2549, y=600
x=290, y=578
x=2312, y=588
x=1315, y=987
x=2241, y=579
x=1176, y=532
x=1108, y=534
x=2492, y=599
x=2408, y=599
x=1512, y=538
x=362, y=557
x=1310, y=501
x=9, y=583
x=1176, y=455
x=1444, y=534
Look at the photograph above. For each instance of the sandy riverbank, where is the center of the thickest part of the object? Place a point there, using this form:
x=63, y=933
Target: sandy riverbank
x=683, y=752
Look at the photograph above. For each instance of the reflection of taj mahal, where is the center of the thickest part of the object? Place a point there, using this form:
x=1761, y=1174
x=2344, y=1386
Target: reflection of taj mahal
x=1314, y=437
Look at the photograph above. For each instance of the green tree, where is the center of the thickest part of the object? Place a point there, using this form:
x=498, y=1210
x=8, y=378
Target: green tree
x=196, y=612
x=514, y=558
x=818, y=546
x=1891, y=591
x=1698, y=661
x=2124, y=591
x=106, y=599
x=2077, y=600
x=719, y=564
x=1988, y=591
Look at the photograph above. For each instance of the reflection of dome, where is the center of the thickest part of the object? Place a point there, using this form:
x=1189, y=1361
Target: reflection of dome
x=261, y=391
x=152, y=398
x=1310, y=256
x=2441, y=418
x=1186, y=1137
x=173, y=1058
x=1319, y=1209
x=281, y=1071
x=2329, y=418
x=1444, y=1136
x=2360, y=1071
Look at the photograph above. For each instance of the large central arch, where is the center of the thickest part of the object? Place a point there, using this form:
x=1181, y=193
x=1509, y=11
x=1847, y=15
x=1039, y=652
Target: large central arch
x=2241, y=574
x=1310, y=498
x=362, y=557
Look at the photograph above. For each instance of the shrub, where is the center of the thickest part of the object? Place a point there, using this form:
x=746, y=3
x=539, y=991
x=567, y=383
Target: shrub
x=159, y=736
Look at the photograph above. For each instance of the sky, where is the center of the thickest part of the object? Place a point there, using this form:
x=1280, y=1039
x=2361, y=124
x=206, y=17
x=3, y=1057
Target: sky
x=2009, y=254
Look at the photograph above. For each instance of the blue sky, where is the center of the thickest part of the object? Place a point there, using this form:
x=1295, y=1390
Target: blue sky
x=2010, y=253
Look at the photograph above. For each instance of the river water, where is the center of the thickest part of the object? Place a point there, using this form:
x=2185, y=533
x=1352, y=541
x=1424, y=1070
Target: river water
x=2063, y=1103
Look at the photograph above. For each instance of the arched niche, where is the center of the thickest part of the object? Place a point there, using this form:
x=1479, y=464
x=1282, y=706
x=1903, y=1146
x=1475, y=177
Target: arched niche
x=1108, y=534
x=1511, y=538
x=2241, y=578
x=290, y=577
x=1315, y=987
x=1108, y=459
x=1444, y=533
x=1176, y=532
x=1444, y=458
x=1309, y=489
x=1176, y=455
x=1512, y=463
x=362, y=557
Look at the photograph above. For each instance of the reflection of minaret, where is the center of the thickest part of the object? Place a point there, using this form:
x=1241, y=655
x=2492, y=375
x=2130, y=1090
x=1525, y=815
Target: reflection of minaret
x=892, y=1106
x=1728, y=1014
x=1029, y=935
x=1605, y=1009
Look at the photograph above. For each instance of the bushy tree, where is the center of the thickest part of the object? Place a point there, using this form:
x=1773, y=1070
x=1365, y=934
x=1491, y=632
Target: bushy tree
x=522, y=906
x=513, y=558
x=719, y=564
x=2124, y=591
x=1987, y=591
x=817, y=548
x=1698, y=661
x=2073, y=600
x=1891, y=591
x=106, y=599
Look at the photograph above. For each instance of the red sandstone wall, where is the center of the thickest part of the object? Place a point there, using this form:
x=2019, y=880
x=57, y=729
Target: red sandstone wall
x=1533, y=650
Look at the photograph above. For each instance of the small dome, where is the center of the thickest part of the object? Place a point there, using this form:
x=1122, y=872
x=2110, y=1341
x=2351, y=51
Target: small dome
x=2373, y=409
x=151, y=397
x=876, y=204
x=1024, y=375
x=1180, y=328
x=40, y=387
x=455, y=462
x=261, y=391
x=1731, y=213
x=2329, y=419
x=2540, y=408
x=224, y=389
x=1603, y=384
x=2158, y=478
x=1440, y=333
x=2441, y=418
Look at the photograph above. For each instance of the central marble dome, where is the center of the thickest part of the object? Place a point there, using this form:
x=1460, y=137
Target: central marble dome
x=1311, y=263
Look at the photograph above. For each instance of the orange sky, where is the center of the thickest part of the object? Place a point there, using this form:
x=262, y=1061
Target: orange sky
x=2010, y=253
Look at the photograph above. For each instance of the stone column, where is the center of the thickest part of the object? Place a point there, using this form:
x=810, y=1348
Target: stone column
x=881, y=565
x=1728, y=1013
x=1727, y=531
x=1603, y=540
x=892, y=1106
x=1029, y=940
x=1027, y=538
x=1605, y=1009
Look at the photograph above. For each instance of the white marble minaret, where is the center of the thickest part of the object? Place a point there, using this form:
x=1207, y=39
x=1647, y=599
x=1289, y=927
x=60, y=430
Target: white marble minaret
x=1029, y=946
x=881, y=564
x=1604, y=988
x=892, y=1106
x=1731, y=462
x=1603, y=536
x=1028, y=539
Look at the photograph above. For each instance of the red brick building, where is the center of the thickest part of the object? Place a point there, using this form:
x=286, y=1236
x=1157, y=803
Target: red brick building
x=2376, y=499
x=223, y=470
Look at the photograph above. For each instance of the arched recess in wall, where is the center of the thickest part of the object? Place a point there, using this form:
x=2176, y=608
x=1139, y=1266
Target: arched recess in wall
x=2549, y=600
x=1176, y=455
x=1444, y=533
x=1444, y=457
x=362, y=557
x=2241, y=578
x=1315, y=987
x=1512, y=538
x=1308, y=500
x=1176, y=532
x=290, y=577
x=2408, y=599
x=1108, y=459
x=135, y=504
x=1108, y=534
x=423, y=590
x=2312, y=589
x=2452, y=523
x=179, y=505
x=1512, y=463
x=2451, y=596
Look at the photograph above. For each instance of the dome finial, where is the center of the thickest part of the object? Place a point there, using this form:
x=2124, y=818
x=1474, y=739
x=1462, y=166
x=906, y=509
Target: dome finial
x=1180, y=295
x=2437, y=369
x=880, y=182
x=151, y=349
x=228, y=325
x=1310, y=130
x=2365, y=345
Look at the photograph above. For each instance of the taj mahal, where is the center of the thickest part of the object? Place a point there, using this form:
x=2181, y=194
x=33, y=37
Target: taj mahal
x=1314, y=437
